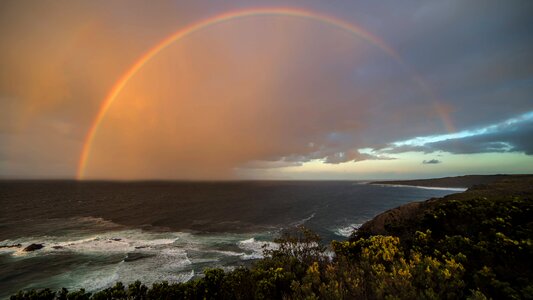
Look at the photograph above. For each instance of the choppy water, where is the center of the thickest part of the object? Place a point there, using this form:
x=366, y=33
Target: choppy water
x=96, y=233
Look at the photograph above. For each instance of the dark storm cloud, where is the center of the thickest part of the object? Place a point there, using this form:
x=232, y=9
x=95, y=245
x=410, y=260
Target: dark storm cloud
x=511, y=136
x=431, y=162
x=327, y=156
x=476, y=55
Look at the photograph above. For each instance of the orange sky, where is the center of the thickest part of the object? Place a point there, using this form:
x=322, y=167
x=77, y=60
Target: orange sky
x=229, y=95
x=265, y=96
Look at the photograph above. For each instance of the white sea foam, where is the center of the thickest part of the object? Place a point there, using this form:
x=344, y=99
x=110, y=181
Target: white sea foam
x=119, y=254
x=156, y=269
x=156, y=257
x=96, y=279
x=110, y=242
x=346, y=231
x=303, y=221
x=168, y=264
x=255, y=247
x=361, y=182
x=228, y=253
x=95, y=221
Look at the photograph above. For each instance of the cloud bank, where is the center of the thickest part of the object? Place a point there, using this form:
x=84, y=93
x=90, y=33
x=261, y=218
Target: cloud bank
x=509, y=136
x=431, y=162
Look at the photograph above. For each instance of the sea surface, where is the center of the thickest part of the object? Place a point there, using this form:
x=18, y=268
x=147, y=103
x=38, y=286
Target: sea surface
x=97, y=233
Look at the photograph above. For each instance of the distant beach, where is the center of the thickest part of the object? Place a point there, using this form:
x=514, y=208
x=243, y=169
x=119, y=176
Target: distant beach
x=458, y=183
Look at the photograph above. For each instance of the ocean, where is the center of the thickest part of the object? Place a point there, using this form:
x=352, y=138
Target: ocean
x=97, y=233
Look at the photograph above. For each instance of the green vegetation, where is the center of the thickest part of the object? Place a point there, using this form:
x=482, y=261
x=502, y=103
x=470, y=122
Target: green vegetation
x=473, y=245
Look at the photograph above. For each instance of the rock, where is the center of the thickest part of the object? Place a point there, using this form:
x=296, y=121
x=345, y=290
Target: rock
x=11, y=246
x=397, y=221
x=133, y=256
x=33, y=247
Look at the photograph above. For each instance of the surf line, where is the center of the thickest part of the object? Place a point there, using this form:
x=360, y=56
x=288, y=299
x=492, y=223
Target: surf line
x=354, y=29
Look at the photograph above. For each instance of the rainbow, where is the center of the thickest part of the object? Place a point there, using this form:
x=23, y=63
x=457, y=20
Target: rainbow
x=225, y=17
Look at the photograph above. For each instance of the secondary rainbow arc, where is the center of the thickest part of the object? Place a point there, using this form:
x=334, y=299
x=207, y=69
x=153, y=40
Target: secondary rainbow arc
x=291, y=12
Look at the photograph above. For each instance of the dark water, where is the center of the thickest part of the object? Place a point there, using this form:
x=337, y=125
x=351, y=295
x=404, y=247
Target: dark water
x=96, y=233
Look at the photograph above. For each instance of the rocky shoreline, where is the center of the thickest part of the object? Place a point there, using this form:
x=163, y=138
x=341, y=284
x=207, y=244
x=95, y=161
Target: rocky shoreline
x=399, y=220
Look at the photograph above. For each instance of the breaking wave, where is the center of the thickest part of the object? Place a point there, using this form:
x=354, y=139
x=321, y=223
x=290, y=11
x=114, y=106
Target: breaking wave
x=256, y=247
x=346, y=231
x=101, y=258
